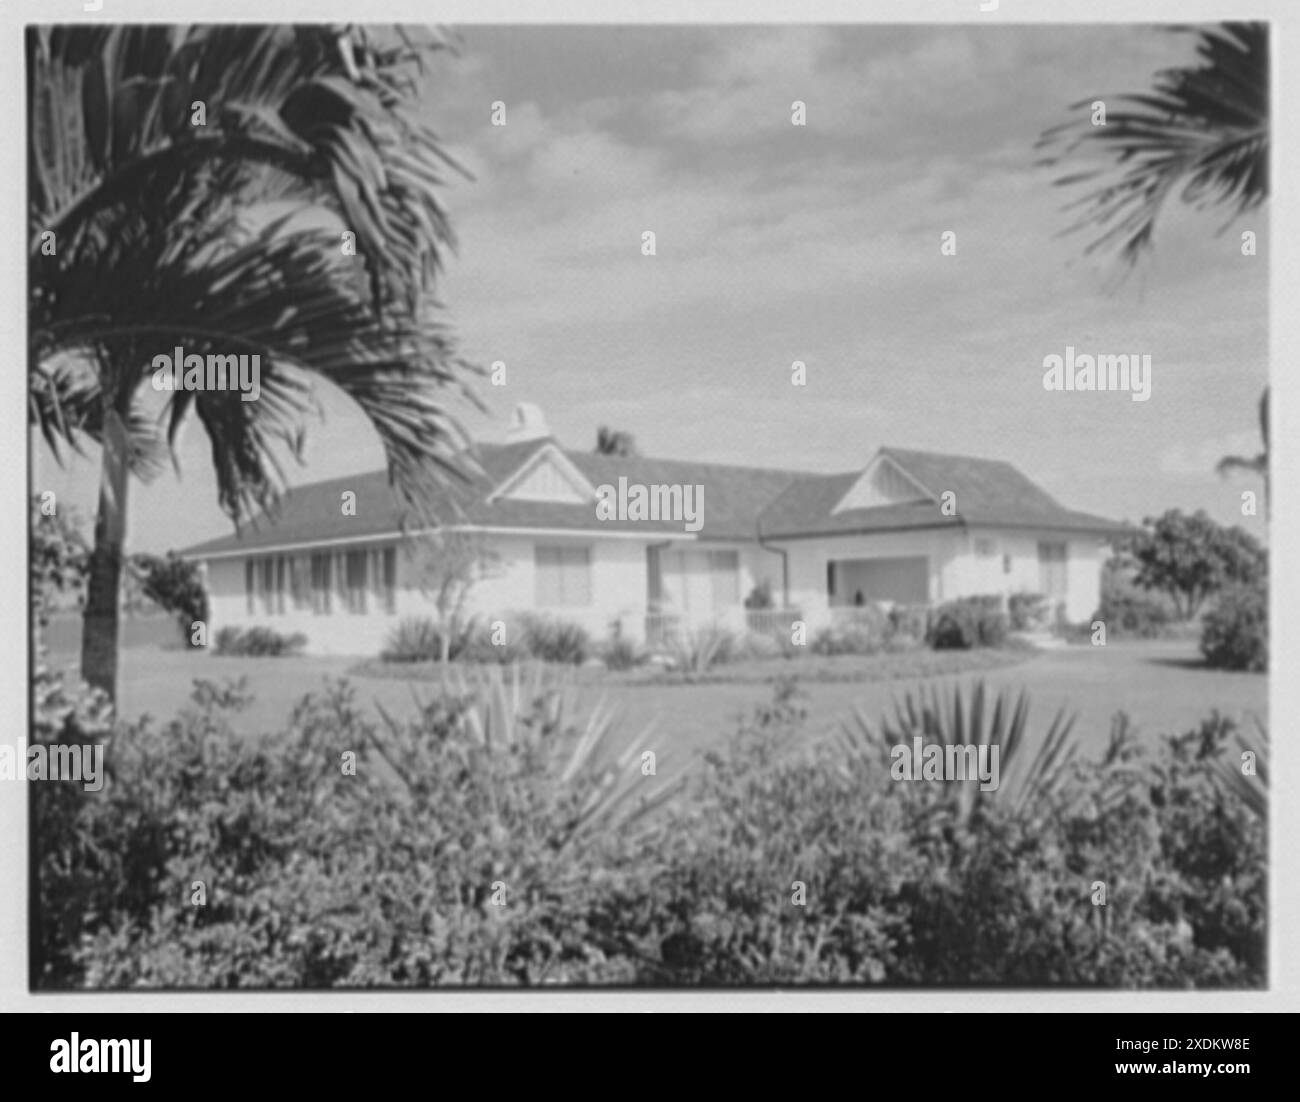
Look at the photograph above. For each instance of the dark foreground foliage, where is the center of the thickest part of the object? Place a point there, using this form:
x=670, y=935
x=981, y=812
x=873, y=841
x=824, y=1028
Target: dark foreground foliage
x=482, y=842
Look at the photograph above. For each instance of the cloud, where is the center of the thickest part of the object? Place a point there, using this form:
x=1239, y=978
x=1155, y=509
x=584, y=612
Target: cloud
x=821, y=243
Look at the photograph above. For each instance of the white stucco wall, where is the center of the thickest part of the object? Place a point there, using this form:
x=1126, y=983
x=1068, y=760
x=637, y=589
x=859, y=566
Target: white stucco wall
x=973, y=573
x=618, y=591
x=619, y=583
x=808, y=559
x=338, y=632
x=1085, y=563
x=958, y=568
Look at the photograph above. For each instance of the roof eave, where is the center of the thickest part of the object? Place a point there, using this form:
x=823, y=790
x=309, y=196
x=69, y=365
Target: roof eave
x=953, y=522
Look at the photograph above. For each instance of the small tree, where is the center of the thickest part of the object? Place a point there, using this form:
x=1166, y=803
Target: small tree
x=175, y=586
x=58, y=560
x=446, y=566
x=1191, y=558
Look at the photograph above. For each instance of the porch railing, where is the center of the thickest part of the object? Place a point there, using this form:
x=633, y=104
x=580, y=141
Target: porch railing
x=662, y=627
x=909, y=619
x=771, y=621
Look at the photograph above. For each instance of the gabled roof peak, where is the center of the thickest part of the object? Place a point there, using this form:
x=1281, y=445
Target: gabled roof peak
x=546, y=475
x=884, y=481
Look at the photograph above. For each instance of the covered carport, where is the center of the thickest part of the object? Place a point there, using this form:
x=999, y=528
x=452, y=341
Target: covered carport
x=903, y=579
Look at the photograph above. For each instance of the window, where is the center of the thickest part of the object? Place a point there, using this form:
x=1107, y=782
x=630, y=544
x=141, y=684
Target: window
x=389, y=597
x=698, y=583
x=563, y=576
x=320, y=583
x=266, y=585
x=382, y=567
x=1052, y=578
x=724, y=573
x=355, y=568
x=653, y=579
x=276, y=584
x=300, y=582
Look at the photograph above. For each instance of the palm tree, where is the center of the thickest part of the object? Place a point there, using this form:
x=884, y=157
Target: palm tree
x=153, y=227
x=1202, y=133
x=1257, y=464
x=615, y=442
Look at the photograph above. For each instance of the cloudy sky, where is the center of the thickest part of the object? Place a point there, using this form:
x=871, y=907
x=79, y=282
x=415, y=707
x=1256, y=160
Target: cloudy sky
x=819, y=243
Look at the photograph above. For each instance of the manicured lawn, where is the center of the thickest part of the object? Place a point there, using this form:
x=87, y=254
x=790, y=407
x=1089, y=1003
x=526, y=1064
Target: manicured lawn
x=1162, y=685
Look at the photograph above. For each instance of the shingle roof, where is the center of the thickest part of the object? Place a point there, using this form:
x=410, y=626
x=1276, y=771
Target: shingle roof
x=739, y=502
x=987, y=492
x=733, y=498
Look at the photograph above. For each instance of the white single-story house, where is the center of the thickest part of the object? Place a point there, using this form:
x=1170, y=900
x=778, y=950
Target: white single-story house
x=567, y=538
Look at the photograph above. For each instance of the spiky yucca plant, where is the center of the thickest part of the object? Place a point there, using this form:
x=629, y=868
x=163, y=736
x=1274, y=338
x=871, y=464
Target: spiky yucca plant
x=531, y=711
x=1032, y=770
x=699, y=651
x=1252, y=791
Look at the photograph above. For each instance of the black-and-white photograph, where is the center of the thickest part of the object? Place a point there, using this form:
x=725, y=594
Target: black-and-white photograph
x=677, y=507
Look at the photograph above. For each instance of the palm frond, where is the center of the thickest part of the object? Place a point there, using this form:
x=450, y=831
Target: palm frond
x=330, y=109
x=1201, y=135
x=290, y=298
x=156, y=247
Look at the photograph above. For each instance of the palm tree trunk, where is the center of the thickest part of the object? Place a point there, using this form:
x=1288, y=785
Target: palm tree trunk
x=1264, y=434
x=99, y=626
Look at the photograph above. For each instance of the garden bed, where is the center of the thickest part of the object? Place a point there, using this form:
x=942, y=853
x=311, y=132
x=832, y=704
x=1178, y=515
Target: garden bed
x=920, y=662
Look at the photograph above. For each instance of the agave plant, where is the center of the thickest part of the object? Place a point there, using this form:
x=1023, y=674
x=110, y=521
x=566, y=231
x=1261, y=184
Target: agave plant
x=699, y=651
x=1033, y=772
x=1252, y=791
x=500, y=712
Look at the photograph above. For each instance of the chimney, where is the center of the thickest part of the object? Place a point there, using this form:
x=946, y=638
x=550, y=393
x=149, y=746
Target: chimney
x=527, y=422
